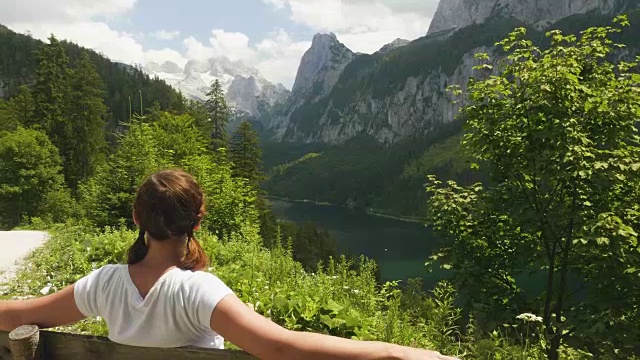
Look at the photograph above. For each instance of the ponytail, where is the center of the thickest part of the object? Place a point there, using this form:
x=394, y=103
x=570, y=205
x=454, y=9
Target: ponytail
x=138, y=250
x=194, y=258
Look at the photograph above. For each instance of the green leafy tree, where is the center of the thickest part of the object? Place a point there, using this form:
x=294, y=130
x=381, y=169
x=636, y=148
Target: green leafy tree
x=87, y=112
x=557, y=130
x=230, y=202
x=246, y=155
x=30, y=171
x=218, y=115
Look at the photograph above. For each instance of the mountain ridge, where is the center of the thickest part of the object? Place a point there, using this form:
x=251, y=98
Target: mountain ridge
x=400, y=93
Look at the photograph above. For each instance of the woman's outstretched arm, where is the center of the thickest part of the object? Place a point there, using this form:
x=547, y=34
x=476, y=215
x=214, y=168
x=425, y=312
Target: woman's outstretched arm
x=48, y=311
x=261, y=337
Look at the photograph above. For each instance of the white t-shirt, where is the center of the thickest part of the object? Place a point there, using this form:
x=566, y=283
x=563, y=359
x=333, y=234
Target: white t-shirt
x=175, y=313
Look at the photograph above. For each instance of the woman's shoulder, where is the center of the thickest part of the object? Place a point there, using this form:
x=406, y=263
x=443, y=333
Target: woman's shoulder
x=108, y=271
x=198, y=279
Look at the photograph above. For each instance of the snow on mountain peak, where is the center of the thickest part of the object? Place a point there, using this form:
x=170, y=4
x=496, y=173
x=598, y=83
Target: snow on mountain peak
x=197, y=76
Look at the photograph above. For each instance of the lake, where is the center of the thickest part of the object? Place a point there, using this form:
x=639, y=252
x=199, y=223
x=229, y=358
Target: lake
x=400, y=248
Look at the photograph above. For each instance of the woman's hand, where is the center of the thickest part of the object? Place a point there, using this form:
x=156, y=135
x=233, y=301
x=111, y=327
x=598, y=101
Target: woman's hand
x=415, y=354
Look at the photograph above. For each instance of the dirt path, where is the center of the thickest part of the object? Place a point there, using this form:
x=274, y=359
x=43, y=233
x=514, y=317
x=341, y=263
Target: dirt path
x=14, y=245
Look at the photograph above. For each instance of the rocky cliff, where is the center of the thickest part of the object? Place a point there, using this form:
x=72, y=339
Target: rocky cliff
x=319, y=70
x=457, y=14
x=401, y=91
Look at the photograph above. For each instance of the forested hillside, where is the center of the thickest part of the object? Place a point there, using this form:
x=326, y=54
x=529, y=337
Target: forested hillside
x=124, y=85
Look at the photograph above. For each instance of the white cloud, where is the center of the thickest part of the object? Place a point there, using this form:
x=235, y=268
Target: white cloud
x=276, y=56
x=73, y=20
x=166, y=54
x=165, y=35
x=363, y=25
x=233, y=45
x=279, y=57
x=278, y=4
x=27, y=11
x=197, y=50
x=119, y=46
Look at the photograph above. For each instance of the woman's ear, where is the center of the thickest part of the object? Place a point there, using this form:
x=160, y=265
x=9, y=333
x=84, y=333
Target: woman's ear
x=197, y=227
x=135, y=219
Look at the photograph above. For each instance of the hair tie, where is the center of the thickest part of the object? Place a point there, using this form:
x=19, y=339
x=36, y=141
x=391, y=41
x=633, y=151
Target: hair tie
x=142, y=238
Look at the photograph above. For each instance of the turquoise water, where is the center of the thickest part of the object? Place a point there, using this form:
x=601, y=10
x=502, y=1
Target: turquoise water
x=400, y=248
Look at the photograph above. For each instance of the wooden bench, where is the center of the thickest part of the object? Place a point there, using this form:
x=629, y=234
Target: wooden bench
x=29, y=343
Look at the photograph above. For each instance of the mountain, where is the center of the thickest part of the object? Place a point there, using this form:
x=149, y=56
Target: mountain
x=247, y=91
x=318, y=73
x=457, y=14
x=393, y=45
x=388, y=121
x=400, y=91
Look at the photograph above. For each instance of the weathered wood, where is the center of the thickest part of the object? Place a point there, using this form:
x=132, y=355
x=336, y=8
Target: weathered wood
x=62, y=346
x=24, y=341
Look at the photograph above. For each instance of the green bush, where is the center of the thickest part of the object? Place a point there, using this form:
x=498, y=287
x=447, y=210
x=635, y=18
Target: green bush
x=336, y=300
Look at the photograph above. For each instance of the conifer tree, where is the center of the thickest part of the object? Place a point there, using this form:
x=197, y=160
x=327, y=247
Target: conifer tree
x=51, y=88
x=87, y=112
x=22, y=106
x=218, y=113
x=246, y=155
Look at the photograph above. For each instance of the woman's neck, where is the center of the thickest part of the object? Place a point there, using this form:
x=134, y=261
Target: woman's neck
x=164, y=254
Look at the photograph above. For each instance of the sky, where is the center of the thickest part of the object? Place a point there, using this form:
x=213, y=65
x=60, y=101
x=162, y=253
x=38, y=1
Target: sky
x=271, y=35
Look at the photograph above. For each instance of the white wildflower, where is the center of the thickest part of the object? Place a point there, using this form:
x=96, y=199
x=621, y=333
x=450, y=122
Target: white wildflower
x=528, y=317
x=346, y=287
x=356, y=291
x=45, y=290
x=98, y=318
x=333, y=277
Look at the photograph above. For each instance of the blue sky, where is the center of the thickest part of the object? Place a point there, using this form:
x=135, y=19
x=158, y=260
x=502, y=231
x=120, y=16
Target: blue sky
x=271, y=35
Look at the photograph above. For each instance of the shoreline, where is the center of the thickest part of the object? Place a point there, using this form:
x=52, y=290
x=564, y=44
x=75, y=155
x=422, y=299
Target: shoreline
x=368, y=211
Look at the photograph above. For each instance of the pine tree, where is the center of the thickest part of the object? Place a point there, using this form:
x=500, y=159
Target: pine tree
x=22, y=106
x=87, y=112
x=246, y=155
x=51, y=88
x=218, y=112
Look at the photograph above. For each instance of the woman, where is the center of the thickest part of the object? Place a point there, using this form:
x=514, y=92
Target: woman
x=162, y=299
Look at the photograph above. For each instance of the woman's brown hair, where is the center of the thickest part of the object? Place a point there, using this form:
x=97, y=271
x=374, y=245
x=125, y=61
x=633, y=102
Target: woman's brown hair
x=169, y=204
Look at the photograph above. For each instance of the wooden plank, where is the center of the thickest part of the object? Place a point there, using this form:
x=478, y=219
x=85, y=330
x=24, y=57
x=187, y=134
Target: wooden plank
x=62, y=346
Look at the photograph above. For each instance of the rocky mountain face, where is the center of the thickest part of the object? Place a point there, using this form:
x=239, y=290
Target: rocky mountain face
x=393, y=45
x=400, y=91
x=456, y=14
x=319, y=71
x=246, y=90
